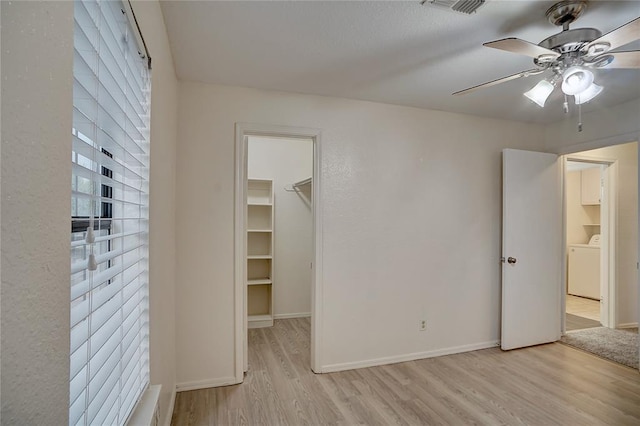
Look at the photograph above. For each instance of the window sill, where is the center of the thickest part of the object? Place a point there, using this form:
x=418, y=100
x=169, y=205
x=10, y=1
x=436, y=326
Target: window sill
x=146, y=412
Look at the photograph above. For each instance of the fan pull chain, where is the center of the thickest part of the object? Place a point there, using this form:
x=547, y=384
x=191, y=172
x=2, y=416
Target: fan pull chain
x=579, y=117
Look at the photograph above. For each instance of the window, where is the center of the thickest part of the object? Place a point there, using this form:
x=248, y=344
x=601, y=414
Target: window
x=109, y=367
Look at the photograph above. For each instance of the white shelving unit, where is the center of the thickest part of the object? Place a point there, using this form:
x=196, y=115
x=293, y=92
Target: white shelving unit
x=591, y=197
x=259, y=228
x=590, y=185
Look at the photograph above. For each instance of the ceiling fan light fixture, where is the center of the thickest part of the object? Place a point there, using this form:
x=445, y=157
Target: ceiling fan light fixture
x=576, y=80
x=540, y=92
x=588, y=94
x=570, y=57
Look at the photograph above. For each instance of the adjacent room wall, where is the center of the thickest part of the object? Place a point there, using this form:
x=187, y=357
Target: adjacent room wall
x=37, y=61
x=162, y=205
x=411, y=205
x=286, y=161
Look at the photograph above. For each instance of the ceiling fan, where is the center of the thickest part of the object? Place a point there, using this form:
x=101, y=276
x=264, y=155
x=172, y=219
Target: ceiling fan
x=570, y=55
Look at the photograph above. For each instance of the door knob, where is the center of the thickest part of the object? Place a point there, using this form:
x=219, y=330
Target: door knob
x=511, y=260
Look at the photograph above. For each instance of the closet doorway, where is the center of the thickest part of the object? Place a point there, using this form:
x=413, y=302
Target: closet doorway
x=277, y=254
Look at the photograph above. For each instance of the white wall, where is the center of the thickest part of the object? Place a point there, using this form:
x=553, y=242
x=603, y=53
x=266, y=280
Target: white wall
x=286, y=161
x=627, y=235
x=411, y=205
x=162, y=204
x=37, y=73
x=37, y=59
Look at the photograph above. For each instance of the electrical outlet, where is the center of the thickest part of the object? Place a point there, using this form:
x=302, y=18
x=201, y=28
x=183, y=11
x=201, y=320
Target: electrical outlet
x=423, y=325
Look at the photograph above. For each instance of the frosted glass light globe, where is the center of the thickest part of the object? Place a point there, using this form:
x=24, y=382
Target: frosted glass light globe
x=540, y=92
x=576, y=80
x=588, y=94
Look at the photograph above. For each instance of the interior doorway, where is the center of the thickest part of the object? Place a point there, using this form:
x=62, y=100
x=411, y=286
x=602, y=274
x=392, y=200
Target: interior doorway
x=587, y=243
x=277, y=235
x=601, y=240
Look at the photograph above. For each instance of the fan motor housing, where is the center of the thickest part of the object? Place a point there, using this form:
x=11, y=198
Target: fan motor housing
x=565, y=12
x=570, y=40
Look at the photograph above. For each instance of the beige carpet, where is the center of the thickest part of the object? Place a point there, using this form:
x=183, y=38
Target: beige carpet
x=620, y=346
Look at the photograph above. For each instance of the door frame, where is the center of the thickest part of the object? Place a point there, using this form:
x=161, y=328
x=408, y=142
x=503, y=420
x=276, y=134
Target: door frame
x=608, y=229
x=242, y=131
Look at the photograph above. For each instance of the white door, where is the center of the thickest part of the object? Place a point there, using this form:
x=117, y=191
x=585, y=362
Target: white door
x=531, y=248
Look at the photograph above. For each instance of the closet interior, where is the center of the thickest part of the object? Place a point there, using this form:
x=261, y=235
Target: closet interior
x=278, y=229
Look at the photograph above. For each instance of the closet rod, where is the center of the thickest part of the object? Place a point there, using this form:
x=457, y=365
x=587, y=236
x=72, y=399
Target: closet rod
x=295, y=186
x=302, y=182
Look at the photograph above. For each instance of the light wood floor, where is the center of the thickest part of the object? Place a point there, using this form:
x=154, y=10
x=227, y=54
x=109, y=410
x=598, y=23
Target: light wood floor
x=583, y=307
x=542, y=385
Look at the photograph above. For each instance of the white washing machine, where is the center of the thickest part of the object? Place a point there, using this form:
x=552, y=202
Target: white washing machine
x=584, y=269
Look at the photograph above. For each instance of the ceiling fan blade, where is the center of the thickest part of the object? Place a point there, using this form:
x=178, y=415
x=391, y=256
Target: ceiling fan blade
x=499, y=81
x=516, y=45
x=620, y=36
x=629, y=59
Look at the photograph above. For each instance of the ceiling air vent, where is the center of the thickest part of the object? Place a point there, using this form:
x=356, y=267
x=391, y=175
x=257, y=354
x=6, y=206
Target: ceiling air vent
x=462, y=6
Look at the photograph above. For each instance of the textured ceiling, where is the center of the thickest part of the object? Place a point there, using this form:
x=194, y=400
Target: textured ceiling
x=396, y=52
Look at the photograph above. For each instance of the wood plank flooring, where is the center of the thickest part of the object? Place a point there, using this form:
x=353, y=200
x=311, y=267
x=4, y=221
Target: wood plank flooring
x=575, y=322
x=583, y=307
x=544, y=385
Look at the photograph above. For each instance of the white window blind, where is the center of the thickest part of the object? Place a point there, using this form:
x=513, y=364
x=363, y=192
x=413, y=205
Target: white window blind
x=109, y=195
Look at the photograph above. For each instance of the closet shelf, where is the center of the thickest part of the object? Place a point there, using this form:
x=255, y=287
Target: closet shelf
x=260, y=317
x=590, y=224
x=259, y=251
x=260, y=281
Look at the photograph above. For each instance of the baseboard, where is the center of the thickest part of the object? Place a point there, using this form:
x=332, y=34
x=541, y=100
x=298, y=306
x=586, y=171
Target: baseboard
x=203, y=384
x=288, y=316
x=408, y=357
x=628, y=325
x=172, y=403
